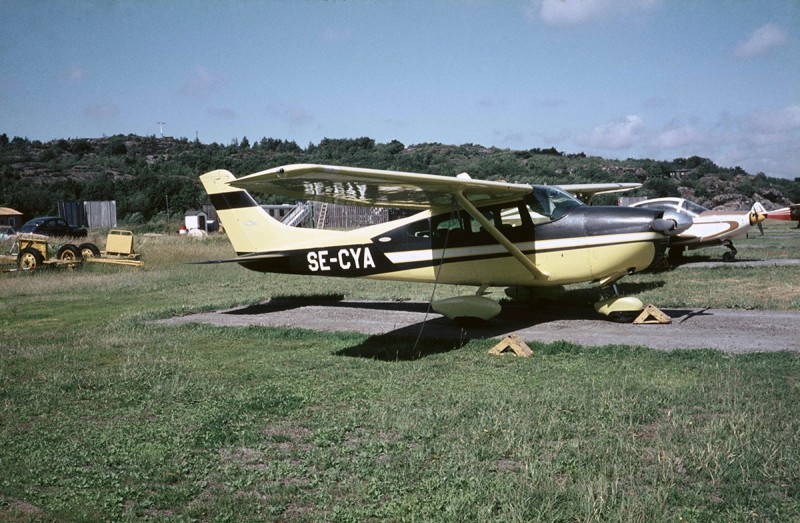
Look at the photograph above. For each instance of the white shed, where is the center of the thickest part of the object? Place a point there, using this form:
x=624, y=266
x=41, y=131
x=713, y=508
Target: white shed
x=196, y=220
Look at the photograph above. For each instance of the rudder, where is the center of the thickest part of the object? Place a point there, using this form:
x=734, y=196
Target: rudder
x=249, y=227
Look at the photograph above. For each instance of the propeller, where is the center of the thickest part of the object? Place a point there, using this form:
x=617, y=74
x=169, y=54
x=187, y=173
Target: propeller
x=757, y=215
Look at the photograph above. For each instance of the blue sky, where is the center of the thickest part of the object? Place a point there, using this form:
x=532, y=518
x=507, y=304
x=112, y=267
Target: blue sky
x=616, y=78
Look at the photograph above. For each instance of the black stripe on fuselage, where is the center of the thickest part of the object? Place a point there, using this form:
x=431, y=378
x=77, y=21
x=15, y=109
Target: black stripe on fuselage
x=350, y=260
x=232, y=200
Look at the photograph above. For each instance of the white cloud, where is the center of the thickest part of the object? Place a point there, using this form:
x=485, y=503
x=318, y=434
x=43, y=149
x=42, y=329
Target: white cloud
x=292, y=116
x=101, y=112
x=620, y=134
x=758, y=141
x=761, y=41
x=552, y=103
x=224, y=114
x=785, y=119
x=570, y=12
x=74, y=73
x=564, y=13
x=334, y=36
x=202, y=82
x=677, y=136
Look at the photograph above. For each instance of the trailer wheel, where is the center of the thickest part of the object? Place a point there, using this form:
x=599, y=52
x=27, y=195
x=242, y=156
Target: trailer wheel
x=69, y=252
x=29, y=259
x=89, y=250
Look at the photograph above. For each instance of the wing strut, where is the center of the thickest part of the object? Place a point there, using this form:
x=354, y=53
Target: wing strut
x=500, y=237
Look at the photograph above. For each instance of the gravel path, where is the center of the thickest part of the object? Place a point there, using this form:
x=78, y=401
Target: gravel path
x=732, y=331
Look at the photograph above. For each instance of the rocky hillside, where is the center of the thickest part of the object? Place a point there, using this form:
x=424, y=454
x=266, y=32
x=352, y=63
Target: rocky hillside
x=148, y=175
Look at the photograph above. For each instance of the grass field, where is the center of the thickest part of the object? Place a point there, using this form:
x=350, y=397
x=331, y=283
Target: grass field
x=108, y=416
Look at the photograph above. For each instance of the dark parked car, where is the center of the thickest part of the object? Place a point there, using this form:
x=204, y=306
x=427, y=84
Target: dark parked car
x=52, y=226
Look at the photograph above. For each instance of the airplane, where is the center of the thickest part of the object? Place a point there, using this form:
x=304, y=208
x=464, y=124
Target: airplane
x=708, y=227
x=529, y=238
x=791, y=213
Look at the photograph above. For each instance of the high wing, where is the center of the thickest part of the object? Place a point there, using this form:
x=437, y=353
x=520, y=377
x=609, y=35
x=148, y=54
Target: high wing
x=377, y=188
x=374, y=187
x=586, y=191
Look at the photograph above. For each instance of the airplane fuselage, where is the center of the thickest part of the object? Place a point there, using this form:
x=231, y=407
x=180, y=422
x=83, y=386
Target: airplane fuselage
x=446, y=246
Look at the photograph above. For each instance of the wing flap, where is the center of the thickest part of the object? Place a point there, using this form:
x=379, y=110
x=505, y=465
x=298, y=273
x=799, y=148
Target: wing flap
x=374, y=187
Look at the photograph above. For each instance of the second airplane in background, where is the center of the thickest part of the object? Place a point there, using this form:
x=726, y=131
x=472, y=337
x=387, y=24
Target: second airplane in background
x=708, y=228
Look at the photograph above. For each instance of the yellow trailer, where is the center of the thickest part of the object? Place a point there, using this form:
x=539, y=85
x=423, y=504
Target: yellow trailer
x=33, y=251
x=119, y=250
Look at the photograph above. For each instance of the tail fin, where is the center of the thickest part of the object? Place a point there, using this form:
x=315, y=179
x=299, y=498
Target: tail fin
x=249, y=227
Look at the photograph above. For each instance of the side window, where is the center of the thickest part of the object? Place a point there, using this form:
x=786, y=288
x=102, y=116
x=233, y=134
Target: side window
x=450, y=227
x=449, y=223
x=420, y=229
x=511, y=219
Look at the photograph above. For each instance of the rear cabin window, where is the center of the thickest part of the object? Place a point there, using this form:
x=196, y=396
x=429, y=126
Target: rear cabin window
x=460, y=228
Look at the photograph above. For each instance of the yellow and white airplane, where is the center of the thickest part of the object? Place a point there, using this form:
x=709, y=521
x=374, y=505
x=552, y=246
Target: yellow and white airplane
x=529, y=238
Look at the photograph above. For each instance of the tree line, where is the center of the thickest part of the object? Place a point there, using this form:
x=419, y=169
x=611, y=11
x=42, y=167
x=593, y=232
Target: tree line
x=147, y=175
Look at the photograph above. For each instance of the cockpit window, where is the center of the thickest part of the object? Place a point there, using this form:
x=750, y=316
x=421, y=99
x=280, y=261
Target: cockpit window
x=661, y=206
x=547, y=203
x=677, y=205
x=693, y=209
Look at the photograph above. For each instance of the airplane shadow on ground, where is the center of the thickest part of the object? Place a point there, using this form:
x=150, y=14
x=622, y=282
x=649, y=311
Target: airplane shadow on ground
x=435, y=334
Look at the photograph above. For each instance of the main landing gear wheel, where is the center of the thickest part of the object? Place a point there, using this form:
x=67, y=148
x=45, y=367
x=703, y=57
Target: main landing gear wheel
x=29, y=259
x=731, y=254
x=675, y=255
x=620, y=309
x=467, y=311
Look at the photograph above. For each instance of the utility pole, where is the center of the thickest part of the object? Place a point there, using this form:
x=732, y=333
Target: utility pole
x=161, y=128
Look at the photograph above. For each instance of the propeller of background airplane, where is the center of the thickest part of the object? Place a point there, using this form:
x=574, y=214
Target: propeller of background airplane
x=757, y=215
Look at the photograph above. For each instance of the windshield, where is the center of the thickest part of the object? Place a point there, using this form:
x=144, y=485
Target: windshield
x=548, y=203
